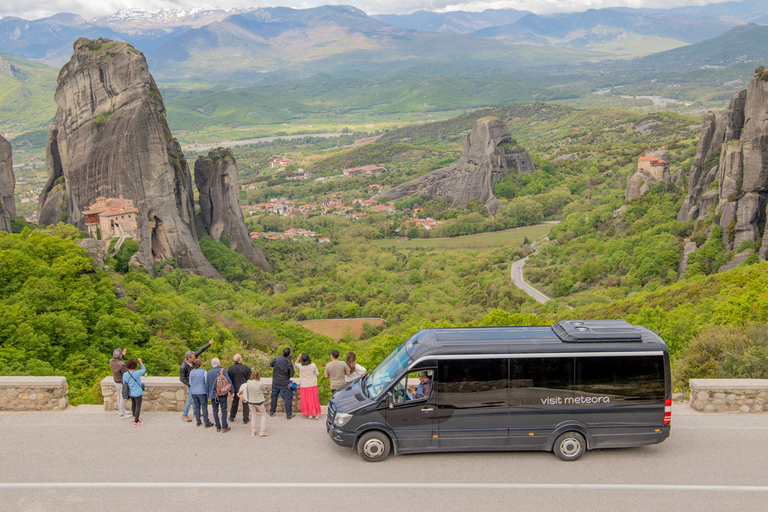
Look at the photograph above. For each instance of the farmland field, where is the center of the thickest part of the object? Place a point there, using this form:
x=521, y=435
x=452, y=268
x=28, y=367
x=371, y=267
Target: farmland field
x=337, y=328
x=479, y=241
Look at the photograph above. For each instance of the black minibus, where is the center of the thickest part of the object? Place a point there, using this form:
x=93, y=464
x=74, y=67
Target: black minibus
x=571, y=387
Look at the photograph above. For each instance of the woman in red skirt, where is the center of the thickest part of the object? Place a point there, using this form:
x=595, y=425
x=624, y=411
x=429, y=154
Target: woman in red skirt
x=308, y=373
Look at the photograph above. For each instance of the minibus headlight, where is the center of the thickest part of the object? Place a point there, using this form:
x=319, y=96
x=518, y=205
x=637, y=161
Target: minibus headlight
x=341, y=419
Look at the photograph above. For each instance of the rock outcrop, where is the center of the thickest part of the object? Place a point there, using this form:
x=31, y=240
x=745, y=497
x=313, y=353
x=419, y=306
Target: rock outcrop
x=728, y=182
x=652, y=168
x=489, y=155
x=110, y=138
x=7, y=186
x=217, y=178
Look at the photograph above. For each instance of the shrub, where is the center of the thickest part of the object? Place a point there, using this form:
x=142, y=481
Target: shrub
x=725, y=352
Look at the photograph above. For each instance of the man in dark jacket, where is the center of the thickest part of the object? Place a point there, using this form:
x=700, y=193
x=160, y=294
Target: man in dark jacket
x=218, y=400
x=281, y=381
x=239, y=373
x=184, y=369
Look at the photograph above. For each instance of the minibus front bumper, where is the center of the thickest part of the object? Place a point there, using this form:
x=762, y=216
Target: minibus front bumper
x=341, y=437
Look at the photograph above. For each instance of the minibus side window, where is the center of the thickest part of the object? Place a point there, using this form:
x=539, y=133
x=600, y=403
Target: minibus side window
x=473, y=383
x=415, y=386
x=536, y=380
x=621, y=377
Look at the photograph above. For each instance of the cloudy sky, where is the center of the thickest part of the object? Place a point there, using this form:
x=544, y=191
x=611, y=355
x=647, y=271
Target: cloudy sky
x=33, y=9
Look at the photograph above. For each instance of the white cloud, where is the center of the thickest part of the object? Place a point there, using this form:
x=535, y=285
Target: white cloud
x=91, y=8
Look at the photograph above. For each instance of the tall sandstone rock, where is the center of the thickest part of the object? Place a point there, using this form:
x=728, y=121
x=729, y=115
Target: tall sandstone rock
x=110, y=138
x=217, y=178
x=489, y=155
x=7, y=186
x=728, y=182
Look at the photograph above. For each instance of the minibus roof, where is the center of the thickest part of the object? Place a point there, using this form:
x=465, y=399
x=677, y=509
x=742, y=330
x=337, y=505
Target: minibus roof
x=567, y=336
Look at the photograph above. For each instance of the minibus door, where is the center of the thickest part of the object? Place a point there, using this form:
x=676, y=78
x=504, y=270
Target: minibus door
x=412, y=412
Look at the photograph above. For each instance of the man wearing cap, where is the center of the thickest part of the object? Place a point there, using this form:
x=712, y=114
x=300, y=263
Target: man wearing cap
x=184, y=370
x=117, y=365
x=239, y=373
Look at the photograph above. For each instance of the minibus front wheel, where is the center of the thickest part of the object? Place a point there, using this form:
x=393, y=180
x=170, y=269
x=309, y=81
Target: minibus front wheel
x=569, y=446
x=374, y=446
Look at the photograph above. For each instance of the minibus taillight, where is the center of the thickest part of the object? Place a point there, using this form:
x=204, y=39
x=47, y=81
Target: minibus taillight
x=667, y=412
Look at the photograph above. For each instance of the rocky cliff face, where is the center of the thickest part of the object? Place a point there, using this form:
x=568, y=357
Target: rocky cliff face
x=217, y=177
x=489, y=155
x=7, y=186
x=110, y=138
x=728, y=182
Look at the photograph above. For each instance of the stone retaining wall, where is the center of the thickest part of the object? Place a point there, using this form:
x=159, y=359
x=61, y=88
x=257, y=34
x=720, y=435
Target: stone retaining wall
x=169, y=394
x=729, y=395
x=33, y=393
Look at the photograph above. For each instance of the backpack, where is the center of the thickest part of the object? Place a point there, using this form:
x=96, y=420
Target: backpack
x=126, y=390
x=222, y=384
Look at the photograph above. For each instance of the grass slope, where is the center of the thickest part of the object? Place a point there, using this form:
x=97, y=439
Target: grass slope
x=26, y=95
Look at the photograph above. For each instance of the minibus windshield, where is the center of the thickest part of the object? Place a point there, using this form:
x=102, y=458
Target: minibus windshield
x=389, y=369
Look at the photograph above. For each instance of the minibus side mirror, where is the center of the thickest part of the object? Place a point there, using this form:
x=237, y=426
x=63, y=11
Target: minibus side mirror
x=390, y=401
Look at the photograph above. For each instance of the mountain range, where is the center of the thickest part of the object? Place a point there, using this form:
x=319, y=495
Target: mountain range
x=178, y=36
x=277, y=64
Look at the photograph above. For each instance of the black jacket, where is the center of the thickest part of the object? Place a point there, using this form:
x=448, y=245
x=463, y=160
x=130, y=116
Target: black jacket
x=184, y=369
x=239, y=373
x=282, y=373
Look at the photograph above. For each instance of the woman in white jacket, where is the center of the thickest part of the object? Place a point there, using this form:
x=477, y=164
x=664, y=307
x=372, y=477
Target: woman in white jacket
x=252, y=393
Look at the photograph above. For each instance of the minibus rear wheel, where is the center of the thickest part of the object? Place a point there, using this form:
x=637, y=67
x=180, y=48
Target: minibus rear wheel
x=569, y=446
x=374, y=446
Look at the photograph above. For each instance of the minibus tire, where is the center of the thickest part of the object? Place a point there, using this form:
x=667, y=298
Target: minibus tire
x=374, y=446
x=569, y=446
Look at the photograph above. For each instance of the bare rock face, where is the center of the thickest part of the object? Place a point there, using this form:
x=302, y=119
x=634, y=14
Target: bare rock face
x=96, y=249
x=110, y=138
x=7, y=186
x=649, y=175
x=489, y=155
x=217, y=177
x=715, y=133
x=728, y=184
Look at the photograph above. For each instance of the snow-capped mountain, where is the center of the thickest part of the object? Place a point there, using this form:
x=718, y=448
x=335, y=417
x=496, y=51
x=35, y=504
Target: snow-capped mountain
x=137, y=19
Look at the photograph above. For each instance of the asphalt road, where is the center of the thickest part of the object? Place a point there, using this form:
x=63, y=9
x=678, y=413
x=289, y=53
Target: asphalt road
x=90, y=460
x=517, y=278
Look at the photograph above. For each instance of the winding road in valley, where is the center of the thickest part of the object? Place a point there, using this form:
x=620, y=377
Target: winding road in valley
x=517, y=279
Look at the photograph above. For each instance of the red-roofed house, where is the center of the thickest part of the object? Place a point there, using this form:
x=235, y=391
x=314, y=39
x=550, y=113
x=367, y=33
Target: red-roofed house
x=111, y=217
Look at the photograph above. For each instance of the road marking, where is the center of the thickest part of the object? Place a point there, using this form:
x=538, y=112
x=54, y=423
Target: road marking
x=376, y=485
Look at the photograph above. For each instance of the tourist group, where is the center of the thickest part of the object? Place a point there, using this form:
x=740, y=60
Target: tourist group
x=238, y=383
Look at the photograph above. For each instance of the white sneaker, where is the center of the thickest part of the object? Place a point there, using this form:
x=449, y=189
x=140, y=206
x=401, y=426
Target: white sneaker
x=125, y=417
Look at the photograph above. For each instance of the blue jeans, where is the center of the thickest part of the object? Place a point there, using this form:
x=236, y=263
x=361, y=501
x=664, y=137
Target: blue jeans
x=188, y=404
x=201, y=402
x=220, y=403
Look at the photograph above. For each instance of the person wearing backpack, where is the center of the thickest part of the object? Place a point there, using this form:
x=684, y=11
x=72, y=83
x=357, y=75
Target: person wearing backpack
x=133, y=378
x=281, y=382
x=219, y=388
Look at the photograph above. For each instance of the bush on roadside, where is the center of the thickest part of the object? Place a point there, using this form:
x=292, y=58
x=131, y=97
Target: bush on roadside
x=724, y=352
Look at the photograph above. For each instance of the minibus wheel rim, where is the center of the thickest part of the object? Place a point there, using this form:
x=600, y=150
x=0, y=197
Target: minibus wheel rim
x=374, y=448
x=570, y=446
